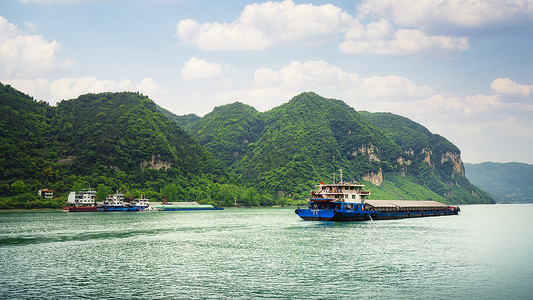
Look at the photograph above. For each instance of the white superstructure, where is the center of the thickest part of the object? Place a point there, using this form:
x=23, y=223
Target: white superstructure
x=82, y=198
x=350, y=192
x=114, y=199
x=141, y=201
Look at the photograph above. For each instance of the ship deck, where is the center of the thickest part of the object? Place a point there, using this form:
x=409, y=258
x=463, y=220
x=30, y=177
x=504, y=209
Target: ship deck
x=405, y=204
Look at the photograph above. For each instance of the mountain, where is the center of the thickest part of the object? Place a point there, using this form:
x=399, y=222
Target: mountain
x=114, y=140
x=505, y=182
x=227, y=131
x=125, y=141
x=430, y=159
x=308, y=139
x=182, y=121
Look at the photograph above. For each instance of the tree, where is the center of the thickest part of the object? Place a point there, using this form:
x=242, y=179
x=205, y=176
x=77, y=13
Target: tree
x=170, y=192
x=18, y=187
x=125, y=192
x=102, y=191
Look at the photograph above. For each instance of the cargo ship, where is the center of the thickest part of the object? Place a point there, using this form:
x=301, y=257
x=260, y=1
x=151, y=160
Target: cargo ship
x=115, y=202
x=346, y=202
x=83, y=201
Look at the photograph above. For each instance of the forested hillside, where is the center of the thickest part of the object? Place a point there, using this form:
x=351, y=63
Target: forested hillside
x=428, y=159
x=228, y=131
x=505, y=182
x=106, y=141
x=125, y=141
x=292, y=147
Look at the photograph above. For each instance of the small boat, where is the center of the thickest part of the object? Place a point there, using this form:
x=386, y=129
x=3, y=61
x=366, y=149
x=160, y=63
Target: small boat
x=346, y=202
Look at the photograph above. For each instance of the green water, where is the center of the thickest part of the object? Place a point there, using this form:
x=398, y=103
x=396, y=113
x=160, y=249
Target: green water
x=484, y=253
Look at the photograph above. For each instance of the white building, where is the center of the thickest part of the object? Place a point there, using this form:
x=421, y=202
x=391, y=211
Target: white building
x=46, y=193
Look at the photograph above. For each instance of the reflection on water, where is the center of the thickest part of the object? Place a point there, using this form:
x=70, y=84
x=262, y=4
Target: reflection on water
x=265, y=253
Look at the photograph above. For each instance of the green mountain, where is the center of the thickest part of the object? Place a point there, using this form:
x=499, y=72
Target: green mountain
x=228, y=131
x=430, y=159
x=290, y=148
x=125, y=141
x=505, y=182
x=108, y=140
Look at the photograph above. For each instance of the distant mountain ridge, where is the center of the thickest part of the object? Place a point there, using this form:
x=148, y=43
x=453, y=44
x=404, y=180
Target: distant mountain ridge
x=288, y=149
x=505, y=182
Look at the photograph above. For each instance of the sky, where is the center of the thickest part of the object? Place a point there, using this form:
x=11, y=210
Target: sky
x=461, y=68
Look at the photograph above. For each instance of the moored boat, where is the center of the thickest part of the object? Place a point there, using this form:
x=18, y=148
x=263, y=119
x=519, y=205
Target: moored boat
x=83, y=201
x=115, y=202
x=346, y=202
x=180, y=206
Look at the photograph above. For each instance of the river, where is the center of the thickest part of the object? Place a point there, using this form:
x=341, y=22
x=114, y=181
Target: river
x=266, y=253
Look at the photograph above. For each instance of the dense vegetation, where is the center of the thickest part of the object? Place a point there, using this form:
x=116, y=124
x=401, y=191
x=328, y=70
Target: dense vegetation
x=429, y=159
x=108, y=141
x=505, y=182
x=124, y=141
x=290, y=148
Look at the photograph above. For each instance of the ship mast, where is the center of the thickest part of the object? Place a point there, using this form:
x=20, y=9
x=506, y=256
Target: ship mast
x=340, y=171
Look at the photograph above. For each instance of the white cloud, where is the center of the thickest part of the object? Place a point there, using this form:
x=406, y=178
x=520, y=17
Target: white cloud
x=150, y=87
x=327, y=80
x=197, y=68
x=324, y=78
x=274, y=87
x=23, y=54
x=392, y=87
x=308, y=75
x=68, y=88
x=467, y=105
x=509, y=87
x=431, y=13
x=269, y=24
x=263, y=25
x=262, y=99
x=39, y=88
x=381, y=38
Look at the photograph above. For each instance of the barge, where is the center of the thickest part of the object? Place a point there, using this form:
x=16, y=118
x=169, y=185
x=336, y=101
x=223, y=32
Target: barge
x=346, y=202
x=180, y=206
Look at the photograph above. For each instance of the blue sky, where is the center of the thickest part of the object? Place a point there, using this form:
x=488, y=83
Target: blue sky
x=463, y=69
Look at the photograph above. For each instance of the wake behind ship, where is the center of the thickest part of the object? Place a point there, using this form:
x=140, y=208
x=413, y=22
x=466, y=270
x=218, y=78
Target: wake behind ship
x=346, y=202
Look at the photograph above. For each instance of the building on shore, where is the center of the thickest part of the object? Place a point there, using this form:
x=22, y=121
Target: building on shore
x=47, y=194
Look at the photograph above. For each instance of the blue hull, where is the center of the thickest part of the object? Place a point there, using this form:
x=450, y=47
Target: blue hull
x=121, y=208
x=360, y=215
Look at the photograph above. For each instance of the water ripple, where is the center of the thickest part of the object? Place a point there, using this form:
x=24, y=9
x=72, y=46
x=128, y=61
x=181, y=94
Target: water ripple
x=265, y=254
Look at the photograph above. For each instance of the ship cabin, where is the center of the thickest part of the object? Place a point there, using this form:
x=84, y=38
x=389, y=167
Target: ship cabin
x=341, y=196
x=141, y=201
x=82, y=198
x=115, y=200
